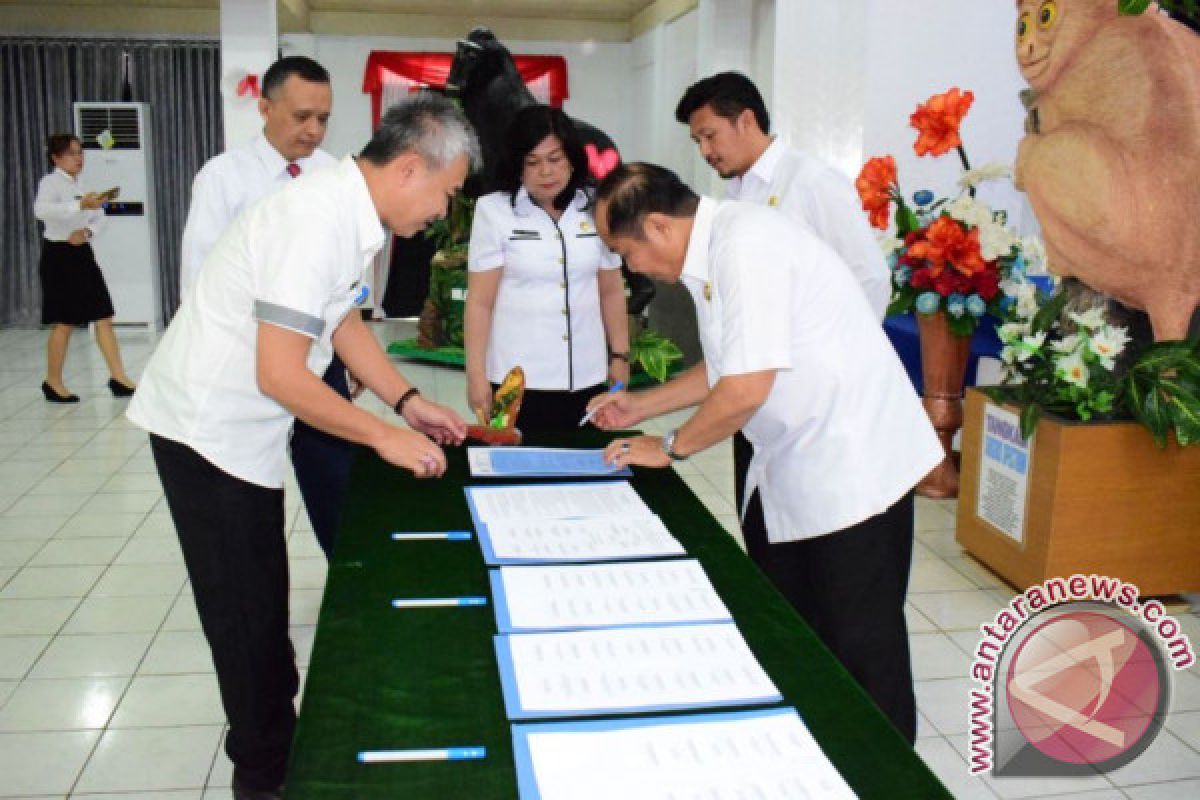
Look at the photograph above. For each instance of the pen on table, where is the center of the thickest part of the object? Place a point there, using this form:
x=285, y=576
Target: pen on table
x=616, y=387
x=438, y=602
x=435, y=754
x=422, y=536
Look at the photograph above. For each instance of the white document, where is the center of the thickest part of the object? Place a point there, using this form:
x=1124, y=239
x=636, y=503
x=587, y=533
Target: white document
x=551, y=462
x=492, y=504
x=767, y=755
x=605, y=595
x=1004, y=466
x=578, y=673
x=574, y=540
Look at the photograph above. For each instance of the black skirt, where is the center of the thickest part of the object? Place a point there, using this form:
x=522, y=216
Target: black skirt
x=73, y=289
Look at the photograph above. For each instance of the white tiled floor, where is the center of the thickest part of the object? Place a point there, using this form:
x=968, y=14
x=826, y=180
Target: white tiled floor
x=106, y=684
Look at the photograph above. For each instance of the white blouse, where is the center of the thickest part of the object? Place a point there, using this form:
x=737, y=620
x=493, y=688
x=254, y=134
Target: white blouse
x=842, y=435
x=547, y=317
x=57, y=205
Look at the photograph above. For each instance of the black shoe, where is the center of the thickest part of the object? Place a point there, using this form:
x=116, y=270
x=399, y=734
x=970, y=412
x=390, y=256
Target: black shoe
x=54, y=397
x=119, y=389
x=241, y=792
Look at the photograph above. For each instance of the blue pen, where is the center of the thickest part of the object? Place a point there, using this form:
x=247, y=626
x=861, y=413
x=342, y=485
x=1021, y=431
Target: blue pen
x=438, y=602
x=434, y=754
x=424, y=536
x=616, y=387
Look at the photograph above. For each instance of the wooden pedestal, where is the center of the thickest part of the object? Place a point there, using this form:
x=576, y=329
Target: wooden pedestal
x=1101, y=499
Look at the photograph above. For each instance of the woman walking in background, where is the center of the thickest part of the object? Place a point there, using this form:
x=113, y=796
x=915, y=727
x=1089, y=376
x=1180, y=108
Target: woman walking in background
x=73, y=290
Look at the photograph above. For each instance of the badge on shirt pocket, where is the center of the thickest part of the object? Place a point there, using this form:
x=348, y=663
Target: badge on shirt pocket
x=519, y=235
x=773, y=201
x=585, y=230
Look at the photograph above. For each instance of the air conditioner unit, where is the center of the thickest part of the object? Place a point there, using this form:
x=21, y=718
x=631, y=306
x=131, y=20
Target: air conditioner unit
x=127, y=247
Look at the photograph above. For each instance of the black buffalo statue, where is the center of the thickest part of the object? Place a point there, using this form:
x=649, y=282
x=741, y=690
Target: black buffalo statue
x=485, y=79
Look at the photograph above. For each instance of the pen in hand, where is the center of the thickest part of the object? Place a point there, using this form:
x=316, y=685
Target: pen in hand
x=616, y=387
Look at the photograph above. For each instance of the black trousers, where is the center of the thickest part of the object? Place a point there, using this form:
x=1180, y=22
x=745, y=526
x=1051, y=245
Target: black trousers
x=544, y=410
x=232, y=537
x=850, y=587
x=322, y=463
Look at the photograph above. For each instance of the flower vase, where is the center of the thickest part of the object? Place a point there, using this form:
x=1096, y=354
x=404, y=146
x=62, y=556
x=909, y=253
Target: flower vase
x=943, y=368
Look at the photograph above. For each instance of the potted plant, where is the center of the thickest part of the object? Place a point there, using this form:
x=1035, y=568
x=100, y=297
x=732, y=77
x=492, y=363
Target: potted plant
x=948, y=257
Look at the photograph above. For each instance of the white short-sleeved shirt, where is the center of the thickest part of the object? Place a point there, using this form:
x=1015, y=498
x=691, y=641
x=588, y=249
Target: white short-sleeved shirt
x=823, y=200
x=295, y=259
x=547, y=316
x=842, y=435
x=57, y=205
x=225, y=186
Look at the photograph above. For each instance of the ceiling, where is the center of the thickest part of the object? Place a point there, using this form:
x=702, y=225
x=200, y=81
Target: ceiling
x=600, y=20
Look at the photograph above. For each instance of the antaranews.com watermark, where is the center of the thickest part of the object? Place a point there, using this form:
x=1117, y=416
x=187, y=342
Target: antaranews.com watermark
x=1081, y=682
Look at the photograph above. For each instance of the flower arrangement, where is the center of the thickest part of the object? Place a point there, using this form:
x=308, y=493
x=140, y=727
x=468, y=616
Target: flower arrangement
x=1067, y=364
x=948, y=254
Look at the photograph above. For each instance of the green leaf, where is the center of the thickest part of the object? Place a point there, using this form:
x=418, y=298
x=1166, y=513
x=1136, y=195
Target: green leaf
x=1048, y=314
x=1029, y=420
x=906, y=220
x=1132, y=7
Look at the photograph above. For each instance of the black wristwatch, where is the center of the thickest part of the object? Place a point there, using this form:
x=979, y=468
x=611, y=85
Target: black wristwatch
x=668, y=446
x=619, y=356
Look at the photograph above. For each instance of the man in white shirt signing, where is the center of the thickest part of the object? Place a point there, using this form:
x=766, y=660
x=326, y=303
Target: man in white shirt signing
x=240, y=361
x=296, y=102
x=795, y=358
x=728, y=121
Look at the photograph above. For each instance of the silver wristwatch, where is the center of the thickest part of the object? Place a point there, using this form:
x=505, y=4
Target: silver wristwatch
x=668, y=446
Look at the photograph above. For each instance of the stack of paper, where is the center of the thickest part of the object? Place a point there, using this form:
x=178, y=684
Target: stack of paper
x=616, y=670
x=756, y=754
x=567, y=522
x=604, y=595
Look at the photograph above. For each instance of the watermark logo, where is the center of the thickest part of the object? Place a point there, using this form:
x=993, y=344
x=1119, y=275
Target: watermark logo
x=1074, y=678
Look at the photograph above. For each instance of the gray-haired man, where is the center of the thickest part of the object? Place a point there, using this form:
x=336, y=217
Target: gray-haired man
x=242, y=358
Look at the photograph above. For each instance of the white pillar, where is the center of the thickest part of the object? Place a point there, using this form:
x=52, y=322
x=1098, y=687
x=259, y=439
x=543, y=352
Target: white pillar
x=818, y=85
x=249, y=44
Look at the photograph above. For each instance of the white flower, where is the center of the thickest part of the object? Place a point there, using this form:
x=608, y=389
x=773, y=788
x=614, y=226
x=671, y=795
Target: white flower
x=1067, y=344
x=1034, y=252
x=995, y=240
x=1108, y=343
x=1090, y=320
x=969, y=211
x=1010, y=332
x=1072, y=369
x=1025, y=293
x=1030, y=345
x=889, y=244
x=988, y=172
x=1008, y=354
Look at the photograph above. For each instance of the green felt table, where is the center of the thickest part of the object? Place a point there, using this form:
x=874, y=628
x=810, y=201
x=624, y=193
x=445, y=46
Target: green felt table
x=386, y=679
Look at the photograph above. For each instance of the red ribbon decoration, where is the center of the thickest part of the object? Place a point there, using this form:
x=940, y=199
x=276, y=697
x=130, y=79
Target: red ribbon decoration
x=248, y=86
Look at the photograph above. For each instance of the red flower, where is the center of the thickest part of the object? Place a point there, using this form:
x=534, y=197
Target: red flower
x=987, y=284
x=921, y=279
x=874, y=185
x=946, y=242
x=937, y=122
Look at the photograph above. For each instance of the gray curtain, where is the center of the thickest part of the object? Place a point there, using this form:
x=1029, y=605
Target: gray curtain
x=40, y=78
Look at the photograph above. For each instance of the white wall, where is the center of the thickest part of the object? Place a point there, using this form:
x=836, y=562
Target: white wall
x=664, y=64
x=923, y=47
x=598, y=80
x=248, y=46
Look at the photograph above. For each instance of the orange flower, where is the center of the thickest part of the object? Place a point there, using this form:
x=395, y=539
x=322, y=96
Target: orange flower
x=937, y=122
x=946, y=243
x=874, y=185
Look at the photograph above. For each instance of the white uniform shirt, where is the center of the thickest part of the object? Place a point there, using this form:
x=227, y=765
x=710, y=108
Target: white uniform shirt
x=824, y=201
x=296, y=259
x=842, y=435
x=224, y=187
x=547, y=315
x=57, y=205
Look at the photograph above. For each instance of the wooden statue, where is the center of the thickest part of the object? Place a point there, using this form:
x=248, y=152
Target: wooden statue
x=1111, y=159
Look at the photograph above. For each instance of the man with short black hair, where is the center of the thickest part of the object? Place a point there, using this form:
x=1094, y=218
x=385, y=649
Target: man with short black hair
x=794, y=357
x=729, y=123
x=295, y=106
x=240, y=362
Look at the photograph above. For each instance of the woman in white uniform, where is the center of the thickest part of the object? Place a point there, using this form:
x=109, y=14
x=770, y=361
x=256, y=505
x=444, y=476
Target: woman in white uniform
x=543, y=291
x=73, y=289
